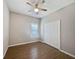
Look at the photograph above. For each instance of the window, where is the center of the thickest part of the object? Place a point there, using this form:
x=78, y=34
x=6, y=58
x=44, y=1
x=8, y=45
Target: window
x=34, y=27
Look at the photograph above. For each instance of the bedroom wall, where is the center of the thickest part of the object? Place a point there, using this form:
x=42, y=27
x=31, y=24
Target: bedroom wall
x=5, y=27
x=66, y=16
x=20, y=28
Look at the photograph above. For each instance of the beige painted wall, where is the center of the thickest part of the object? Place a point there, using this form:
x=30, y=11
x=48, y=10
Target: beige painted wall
x=20, y=28
x=67, y=27
x=5, y=27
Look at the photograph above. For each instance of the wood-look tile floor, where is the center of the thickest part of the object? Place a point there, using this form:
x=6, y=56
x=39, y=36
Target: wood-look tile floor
x=36, y=50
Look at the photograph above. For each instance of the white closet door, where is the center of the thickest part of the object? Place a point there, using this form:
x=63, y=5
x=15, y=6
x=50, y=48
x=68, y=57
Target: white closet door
x=52, y=33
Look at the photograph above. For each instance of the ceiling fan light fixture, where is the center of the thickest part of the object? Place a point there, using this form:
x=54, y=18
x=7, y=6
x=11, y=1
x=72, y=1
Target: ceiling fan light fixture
x=36, y=10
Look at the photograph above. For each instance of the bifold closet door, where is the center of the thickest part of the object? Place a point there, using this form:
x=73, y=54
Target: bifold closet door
x=52, y=33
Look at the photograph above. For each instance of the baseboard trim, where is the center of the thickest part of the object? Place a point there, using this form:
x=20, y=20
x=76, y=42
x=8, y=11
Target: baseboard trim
x=5, y=52
x=23, y=43
x=50, y=45
x=67, y=53
x=60, y=50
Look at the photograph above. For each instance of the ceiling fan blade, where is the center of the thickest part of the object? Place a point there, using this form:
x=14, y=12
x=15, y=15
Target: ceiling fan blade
x=29, y=4
x=43, y=9
x=36, y=5
x=43, y=1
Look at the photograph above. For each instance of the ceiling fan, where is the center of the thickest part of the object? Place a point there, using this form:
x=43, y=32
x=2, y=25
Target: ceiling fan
x=36, y=7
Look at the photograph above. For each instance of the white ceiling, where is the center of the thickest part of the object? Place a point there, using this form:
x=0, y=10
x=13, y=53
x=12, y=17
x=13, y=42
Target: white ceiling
x=21, y=7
